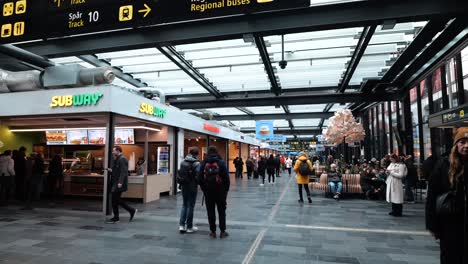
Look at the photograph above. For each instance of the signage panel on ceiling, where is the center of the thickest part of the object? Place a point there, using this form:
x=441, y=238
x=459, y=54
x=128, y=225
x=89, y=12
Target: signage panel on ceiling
x=39, y=19
x=264, y=129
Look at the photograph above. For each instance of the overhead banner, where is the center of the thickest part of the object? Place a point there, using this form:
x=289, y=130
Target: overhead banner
x=41, y=19
x=264, y=129
x=277, y=138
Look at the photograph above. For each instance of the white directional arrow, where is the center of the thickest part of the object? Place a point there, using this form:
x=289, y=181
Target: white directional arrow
x=147, y=10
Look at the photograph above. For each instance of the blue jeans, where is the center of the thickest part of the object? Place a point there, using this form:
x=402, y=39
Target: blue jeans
x=189, y=197
x=336, y=187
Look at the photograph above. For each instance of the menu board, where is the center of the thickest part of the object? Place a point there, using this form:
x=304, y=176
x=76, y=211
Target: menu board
x=77, y=137
x=56, y=137
x=97, y=137
x=124, y=136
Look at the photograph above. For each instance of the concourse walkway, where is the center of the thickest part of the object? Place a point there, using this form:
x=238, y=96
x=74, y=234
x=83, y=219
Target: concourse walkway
x=266, y=225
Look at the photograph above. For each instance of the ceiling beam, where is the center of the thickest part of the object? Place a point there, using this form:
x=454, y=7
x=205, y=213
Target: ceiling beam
x=355, y=14
x=262, y=49
x=357, y=55
x=178, y=59
x=312, y=115
x=419, y=43
x=297, y=99
x=245, y=110
x=261, y=92
x=93, y=60
x=450, y=40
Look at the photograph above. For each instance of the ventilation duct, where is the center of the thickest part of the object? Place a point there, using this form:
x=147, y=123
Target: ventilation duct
x=54, y=77
x=152, y=93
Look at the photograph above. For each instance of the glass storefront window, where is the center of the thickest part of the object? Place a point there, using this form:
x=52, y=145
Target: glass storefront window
x=437, y=91
x=451, y=83
x=464, y=58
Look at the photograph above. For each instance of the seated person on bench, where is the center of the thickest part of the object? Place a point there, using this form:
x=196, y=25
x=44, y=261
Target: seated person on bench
x=334, y=181
x=378, y=185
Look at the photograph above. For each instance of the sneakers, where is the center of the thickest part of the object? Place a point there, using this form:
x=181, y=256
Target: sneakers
x=193, y=229
x=112, y=221
x=132, y=215
x=300, y=201
x=182, y=229
x=223, y=234
x=213, y=234
x=261, y=184
x=310, y=199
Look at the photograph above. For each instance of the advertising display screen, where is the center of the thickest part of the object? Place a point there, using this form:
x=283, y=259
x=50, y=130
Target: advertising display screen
x=97, y=136
x=56, y=137
x=124, y=136
x=77, y=137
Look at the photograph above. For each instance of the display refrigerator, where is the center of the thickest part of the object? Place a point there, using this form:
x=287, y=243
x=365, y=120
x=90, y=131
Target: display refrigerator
x=163, y=160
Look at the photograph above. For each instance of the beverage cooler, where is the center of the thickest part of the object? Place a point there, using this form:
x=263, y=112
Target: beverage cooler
x=163, y=160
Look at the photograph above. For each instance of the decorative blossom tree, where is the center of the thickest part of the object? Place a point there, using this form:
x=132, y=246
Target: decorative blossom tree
x=343, y=128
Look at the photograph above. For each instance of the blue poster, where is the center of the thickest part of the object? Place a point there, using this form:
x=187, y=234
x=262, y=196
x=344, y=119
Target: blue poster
x=264, y=129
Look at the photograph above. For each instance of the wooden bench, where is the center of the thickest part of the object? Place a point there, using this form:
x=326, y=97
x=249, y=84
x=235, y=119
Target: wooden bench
x=351, y=184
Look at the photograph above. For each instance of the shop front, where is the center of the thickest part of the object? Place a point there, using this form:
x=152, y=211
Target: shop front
x=81, y=125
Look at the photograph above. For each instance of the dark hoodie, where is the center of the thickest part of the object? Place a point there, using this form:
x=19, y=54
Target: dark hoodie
x=223, y=172
x=192, y=161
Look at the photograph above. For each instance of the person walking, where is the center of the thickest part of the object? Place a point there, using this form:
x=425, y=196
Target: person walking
x=262, y=166
x=278, y=165
x=20, y=170
x=119, y=185
x=448, y=190
x=55, y=176
x=288, y=164
x=7, y=175
x=396, y=171
x=187, y=178
x=250, y=167
x=410, y=179
x=239, y=164
x=303, y=169
x=214, y=182
x=271, y=167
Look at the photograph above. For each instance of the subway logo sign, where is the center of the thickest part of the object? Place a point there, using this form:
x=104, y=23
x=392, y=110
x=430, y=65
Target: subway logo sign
x=152, y=110
x=75, y=100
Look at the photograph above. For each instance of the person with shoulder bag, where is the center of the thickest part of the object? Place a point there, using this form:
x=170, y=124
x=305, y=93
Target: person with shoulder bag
x=446, y=202
x=396, y=171
x=187, y=178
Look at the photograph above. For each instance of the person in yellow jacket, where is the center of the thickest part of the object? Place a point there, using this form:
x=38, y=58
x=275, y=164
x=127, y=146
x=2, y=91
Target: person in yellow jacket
x=303, y=169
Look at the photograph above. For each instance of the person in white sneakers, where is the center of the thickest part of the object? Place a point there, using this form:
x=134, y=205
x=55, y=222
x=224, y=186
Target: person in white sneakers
x=288, y=164
x=187, y=178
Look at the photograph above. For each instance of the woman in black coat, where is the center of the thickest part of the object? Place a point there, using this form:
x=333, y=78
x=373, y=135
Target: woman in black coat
x=450, y=228
x=55, y=176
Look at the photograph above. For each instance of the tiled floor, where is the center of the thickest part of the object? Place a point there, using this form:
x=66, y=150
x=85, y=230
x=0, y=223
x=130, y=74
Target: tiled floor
x=267, y=225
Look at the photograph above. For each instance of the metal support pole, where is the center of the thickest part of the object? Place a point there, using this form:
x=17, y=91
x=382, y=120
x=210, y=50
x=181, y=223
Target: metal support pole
x=106, y=191
x=459, y=76
x=420, y=123
x=390, y=125
x=408, y=121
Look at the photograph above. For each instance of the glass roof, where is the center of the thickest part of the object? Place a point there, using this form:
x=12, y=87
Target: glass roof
x=315, y=59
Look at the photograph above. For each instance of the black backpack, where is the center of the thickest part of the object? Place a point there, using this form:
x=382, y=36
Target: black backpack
x=304, y=168
x=211, y=175
x=186, y=172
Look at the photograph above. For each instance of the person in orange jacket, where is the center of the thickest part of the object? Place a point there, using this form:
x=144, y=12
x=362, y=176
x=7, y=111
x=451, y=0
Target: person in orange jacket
x=303, y=169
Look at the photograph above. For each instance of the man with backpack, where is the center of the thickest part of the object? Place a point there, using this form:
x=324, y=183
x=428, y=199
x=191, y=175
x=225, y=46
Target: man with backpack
x=187, y=178
x=303, y=169
x=214, y=182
